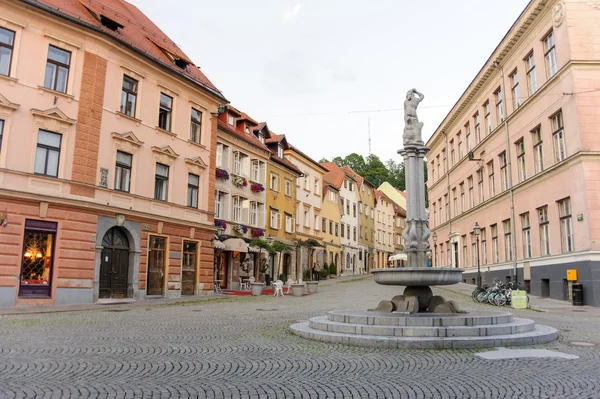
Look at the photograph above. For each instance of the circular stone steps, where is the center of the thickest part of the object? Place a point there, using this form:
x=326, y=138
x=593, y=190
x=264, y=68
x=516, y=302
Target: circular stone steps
x=478, y=329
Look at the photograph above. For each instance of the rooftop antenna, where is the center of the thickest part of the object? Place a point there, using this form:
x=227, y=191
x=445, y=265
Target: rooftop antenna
x=369, y=135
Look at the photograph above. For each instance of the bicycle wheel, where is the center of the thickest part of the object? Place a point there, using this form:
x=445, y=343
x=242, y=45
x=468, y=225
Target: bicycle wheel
x=482, y=297
x=490, y=298
x=474, y=294
x=500, y=299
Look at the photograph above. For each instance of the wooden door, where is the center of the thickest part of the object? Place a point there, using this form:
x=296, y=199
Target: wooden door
x=114, y=265
x=156, y=266
x=188, y=268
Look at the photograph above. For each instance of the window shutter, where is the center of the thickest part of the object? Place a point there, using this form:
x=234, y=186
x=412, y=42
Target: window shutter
x=278, y=220
x=245, y=211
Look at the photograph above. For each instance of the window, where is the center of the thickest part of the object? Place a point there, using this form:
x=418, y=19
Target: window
x=306, y=219
x=566, y=229
x=343, y=229
x=7, y=41
x=129, y=96
x=306, y=182
x=354, y=210
x=261, y=137
x=1, y=132
x=473, y=250
x=452, y=155
x=544, y=231
x=503, y=171
x=464, y=253
x=455, y=201
x=247, y=130
x=274, y=220
x=347, y=206
x=477, y=128
x=460, y=146
x=195, y=125
x=161, y=182
x=348, y=231
x=531, y=82
x=471, y=192
x=360, y=208
x=289, y=223
x=222, y=156
x=440, y=211
x=57, y=69
x=447, y=203
x=463, y=204
x=499, y=106
x=331, y=227
x=526, y=228
x=495, y=255
x=336, y=229
x=192, y=191
x=240, y=163
x=444, y=160
x=538, y=153
x=468, y=136
x=37, y=258
x=288, y=188
x=354, y=234
x=188, y=267
x=258, y=171
x=435, y=221
x=507, y=240
x=257, y=214
x=558, y=137
x=491, y=183
x=230, y=120
x=47, y=154
x=317, y=185
x=514, y=81
x=280, y=151
x=521, y=160
x=123, y=171
x=274, y=182
x=483, y=247
x=240, y=209
x=550, y=55
x=164, y=112
x=221, y=205
x=488, y=118
x=439, y=168
x=480, y=185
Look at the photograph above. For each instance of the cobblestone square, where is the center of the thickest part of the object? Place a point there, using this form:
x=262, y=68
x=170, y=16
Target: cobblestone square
x=241, y=348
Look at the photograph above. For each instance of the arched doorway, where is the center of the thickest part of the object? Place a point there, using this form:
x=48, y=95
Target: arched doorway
x=114, y=266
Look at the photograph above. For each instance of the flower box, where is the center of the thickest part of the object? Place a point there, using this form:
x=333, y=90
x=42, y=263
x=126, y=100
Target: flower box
x=222, y=174
x=257, y=188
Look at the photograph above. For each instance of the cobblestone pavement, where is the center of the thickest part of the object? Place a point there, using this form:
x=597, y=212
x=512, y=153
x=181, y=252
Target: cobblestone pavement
x=241, y=347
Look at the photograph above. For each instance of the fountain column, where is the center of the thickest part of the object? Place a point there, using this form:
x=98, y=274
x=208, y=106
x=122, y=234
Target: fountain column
x=416, y=234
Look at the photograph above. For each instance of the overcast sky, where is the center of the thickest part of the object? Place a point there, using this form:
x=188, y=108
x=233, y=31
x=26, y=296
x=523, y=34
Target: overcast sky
x=306, y=66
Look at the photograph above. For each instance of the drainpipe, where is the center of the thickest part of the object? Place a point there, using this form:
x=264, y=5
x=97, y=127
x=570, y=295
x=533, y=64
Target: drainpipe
x=510, y=183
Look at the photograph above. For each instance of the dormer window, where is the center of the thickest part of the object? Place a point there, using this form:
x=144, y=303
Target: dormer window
x=181, y=63
x=261, y=137
x=280, y=151
x=247, y=130
x=230, y=120
x=104, y=20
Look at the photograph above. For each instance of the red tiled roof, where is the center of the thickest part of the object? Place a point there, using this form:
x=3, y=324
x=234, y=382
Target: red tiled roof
x=249, y=138
x=335, y=176
x=246, y=117
x=356, y=176
x=138, y=31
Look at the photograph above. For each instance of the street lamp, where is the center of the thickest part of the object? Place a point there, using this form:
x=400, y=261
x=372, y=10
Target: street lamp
x=434, y=238
x=477, y=232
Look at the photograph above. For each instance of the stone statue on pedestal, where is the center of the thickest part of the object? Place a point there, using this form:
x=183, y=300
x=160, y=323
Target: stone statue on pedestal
x=412, y=126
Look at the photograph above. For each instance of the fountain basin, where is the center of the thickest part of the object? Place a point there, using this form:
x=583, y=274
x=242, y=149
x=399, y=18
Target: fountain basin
x=418, y=276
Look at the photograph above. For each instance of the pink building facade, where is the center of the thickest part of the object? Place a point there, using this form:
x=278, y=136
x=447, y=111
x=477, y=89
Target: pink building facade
x=107, y=157
x=518, y=154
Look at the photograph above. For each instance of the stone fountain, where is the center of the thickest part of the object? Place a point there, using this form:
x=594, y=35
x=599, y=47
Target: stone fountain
x=417, y=318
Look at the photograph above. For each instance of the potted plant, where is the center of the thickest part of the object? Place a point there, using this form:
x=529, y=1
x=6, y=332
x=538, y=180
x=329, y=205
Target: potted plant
x=221, y=224
x=240, y=229
x=257, y=188
x=239, y=181
x=256, y=287
x=297, y=289
x=222, y=174
x=256, y=232
x=332, y=270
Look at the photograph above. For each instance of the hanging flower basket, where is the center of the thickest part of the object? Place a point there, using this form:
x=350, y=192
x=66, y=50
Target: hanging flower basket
x=222, y=174
x=221, y=224
x=257, y=233
x=240, y=229
x=257, y=188
x=239, y=181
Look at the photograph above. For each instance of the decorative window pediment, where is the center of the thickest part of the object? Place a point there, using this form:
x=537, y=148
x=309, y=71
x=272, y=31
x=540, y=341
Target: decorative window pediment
x=195, y=165
x=4, y=103
x=164, y=154
x=53, y=113
x=127, y=142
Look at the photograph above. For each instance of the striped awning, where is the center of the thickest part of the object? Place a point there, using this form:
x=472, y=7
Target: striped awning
x=217, y=244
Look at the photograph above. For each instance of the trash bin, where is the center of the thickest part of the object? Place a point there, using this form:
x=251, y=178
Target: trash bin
x=577, y=294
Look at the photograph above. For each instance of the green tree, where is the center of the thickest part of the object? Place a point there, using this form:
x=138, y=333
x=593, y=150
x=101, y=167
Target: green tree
x=375, y=171
x=395, y=174
x=356, y=162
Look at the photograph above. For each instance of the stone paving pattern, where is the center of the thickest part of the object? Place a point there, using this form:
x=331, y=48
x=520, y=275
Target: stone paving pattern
x=242, y=348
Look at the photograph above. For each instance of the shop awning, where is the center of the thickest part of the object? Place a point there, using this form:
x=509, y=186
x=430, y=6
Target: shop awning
x=398, y=257
x=217, y=244
x=235, y=244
